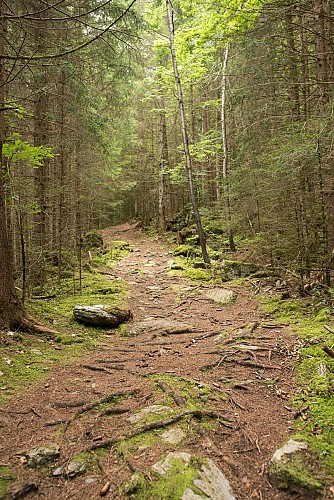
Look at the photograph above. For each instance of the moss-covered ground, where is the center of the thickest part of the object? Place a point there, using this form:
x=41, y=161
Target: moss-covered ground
x=26, y=358
x=314, y=372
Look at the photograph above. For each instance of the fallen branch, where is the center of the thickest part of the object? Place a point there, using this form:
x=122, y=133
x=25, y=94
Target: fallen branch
x=102, y=369
x=24, y=491
x=257, y=365
x=328, y=351
x=114, y=411
x=68, y=404
x=254, y=326
x=177, y=398
x=159, y=425
x=329, y=329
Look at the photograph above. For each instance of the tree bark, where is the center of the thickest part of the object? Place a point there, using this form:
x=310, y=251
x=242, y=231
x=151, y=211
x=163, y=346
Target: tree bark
x=10, y=307
x=164, y=164
x=188, y=164
x=225, y=159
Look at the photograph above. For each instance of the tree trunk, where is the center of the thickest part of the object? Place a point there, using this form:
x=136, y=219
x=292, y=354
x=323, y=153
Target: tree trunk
x=164, y=164
x=188, y=164
x=225, y=159
x=10, y=307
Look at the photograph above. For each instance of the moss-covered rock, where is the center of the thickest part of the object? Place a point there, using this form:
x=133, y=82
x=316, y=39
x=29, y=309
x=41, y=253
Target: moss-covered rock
x=231, y=269
x=92, y=239
x=291, y=468
x=187, y=251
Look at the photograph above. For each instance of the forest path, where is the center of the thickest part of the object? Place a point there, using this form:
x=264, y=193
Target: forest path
x=250, y=385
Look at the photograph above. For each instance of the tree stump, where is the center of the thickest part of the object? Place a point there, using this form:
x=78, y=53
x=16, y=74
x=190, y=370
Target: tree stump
x=100, y=315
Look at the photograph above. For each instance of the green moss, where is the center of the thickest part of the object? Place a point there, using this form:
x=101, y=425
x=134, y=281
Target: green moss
x=26, y=358
x=133, y=445
x=172, y=485
x=295, y=474
x=316, y=388
x=197, y=274
x=187, y=251
x=194, y=393
x=6, y=478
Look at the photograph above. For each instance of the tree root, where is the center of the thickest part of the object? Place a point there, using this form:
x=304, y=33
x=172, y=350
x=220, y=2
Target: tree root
x=159, y=425
x=29, y=323
x=95, y=404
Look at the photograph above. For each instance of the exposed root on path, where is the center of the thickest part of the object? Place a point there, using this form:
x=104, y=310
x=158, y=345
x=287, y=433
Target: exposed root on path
x=161, y=424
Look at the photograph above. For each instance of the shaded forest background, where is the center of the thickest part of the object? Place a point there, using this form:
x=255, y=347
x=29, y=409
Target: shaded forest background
x=90, y=130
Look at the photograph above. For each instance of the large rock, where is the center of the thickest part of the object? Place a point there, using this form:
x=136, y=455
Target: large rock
x=207, y=477
x=290, y=468
x=231, y=269
x=101, y=315
x=221, y=295
x=162, y=326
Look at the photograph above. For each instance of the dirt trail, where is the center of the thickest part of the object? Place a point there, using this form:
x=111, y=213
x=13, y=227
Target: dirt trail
x=256, y=378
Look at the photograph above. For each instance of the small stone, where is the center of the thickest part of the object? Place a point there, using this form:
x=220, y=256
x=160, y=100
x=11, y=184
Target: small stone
x=290, y=447
x=59, y=471
x=213, y=482
x=40, y=455
x=190, y=495
x=173, y=436
x=155, y=409
x=292, y=468
x=221, y=295
x=163, y=466
x=90, y=480
x=75, y=468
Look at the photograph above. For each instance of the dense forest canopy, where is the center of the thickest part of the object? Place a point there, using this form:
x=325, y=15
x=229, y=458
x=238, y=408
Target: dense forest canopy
x=91, y=135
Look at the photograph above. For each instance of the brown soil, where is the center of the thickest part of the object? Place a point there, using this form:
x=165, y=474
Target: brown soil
x=258, y=407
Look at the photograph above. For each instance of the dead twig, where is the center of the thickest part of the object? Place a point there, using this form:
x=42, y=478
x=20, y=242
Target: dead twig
x=114, y=411
x=257, y=365
x=329, y=329
x=253, y=326
x=177, y=398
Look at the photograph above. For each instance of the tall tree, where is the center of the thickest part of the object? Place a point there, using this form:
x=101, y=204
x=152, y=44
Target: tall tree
x=188, y=164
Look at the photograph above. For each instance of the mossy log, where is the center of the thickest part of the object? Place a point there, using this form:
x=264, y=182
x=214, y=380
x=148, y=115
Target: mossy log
x=100, y=315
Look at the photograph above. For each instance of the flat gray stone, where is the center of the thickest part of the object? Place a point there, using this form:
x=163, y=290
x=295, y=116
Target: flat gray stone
x=289, y=448
x=173, y=435
x=221, y=295
x=165, y=465
x=154, y=409
x=213, y=482
x=75, y=468
x=190, y=495
x=294, y=468
x=210, y=480
x=40, y=455
x=163, y=326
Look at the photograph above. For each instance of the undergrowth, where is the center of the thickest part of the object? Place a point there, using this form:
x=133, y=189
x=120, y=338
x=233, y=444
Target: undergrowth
x=26, y=358
x=314, y=372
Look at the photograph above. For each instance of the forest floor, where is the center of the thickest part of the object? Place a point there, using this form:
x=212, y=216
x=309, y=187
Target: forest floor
x=249, y=383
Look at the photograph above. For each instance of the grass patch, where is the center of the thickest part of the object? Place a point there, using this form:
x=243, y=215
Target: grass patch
x=25, y=358
x=314, y=374
x=6, y=478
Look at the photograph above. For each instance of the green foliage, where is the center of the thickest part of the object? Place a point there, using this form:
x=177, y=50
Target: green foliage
x=16, y=150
